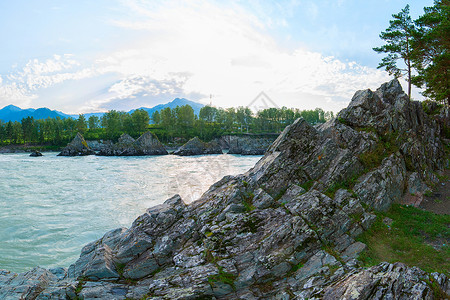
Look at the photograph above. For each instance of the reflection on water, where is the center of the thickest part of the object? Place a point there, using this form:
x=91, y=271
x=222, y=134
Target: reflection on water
x=51, y=206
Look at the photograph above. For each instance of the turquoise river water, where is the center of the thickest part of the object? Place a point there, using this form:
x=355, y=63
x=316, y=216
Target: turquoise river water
x=51, y=206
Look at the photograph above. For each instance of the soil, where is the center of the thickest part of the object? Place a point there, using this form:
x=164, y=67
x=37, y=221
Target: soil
x=439, y=200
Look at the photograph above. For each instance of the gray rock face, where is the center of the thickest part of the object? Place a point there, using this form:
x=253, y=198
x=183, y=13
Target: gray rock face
x=247, y=144
x=197, y=147
x=146, y=144
x=99, y=145
x=385, y=281
x=77, y=147
x=283, y=230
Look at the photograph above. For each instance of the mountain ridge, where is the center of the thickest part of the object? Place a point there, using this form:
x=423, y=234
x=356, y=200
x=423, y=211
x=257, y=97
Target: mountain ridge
x=14, y=113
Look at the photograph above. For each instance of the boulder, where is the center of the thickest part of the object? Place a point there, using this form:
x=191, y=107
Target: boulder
x=77, y=147
x=197, y=147
x=35, y=153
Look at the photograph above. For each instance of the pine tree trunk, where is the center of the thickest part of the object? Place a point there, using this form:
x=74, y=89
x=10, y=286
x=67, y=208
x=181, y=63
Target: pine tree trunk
x=409, y=81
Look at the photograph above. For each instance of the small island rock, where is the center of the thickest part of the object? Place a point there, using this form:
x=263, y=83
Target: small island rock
x=146, y=144
x=35, y=153
x=125, y=141
x=195, y=146
x=77, y=147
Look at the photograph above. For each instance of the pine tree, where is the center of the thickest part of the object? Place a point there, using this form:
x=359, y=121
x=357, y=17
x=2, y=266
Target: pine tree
x=431, y=51
x=398, y=38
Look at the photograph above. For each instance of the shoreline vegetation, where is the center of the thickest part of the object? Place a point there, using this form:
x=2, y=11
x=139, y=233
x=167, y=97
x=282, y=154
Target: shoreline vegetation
x=173, y=127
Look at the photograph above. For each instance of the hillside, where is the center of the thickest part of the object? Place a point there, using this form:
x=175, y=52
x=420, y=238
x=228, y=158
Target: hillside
x=14, y=113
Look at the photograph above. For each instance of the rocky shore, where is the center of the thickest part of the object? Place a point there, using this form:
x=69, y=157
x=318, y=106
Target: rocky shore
x=197, y=147
x=286, y=229
x=247, y=144
x=148, y=144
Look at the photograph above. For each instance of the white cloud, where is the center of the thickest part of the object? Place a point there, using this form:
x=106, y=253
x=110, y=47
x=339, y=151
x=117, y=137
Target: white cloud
x=15, y=94
x=230, y=56
x=200, y=48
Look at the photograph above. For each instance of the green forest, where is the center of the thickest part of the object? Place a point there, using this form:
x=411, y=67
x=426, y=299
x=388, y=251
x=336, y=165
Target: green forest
x=170, y=125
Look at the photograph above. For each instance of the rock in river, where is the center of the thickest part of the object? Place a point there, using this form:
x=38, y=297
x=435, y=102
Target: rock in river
x=146, y=144
x=197, y=147
x=77, y=147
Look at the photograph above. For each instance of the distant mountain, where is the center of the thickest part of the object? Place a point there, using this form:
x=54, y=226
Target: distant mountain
x=14, y=113
x=172, y=104
x=98, y=114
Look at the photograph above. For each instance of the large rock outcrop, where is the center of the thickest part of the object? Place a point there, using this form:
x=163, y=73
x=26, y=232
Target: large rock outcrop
x=77, y=147
x=146, y=144
x=284, y=230
x=197, y=147
x=247, y=144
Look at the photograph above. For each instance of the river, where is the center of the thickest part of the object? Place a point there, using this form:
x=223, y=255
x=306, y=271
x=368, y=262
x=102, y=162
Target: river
x=51, y=206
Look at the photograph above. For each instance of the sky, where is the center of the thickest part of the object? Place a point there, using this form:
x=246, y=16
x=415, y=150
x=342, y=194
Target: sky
x=82, y=56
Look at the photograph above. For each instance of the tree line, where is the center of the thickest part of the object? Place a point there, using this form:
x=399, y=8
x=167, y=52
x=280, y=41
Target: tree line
x=58, y=131
x=212, y=122
x=423, y=45
x=170, y=125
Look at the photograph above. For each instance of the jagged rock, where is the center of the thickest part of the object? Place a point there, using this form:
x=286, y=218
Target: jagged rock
x=384, y=185
x=246, y=144
x=385, y=281
x=196, y=147
x=99, y=145
x=77, y=147
x=146, y=144
x=125, y=141
x=35, y=153
x=38, y=283
x=284, y=229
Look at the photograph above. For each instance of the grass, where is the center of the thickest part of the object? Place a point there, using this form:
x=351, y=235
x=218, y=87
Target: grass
x=79, y=287
x=329, y=248
x=346, y=184
x=307, y=185
x=408, y=239
x=297, y=267
x=343, y=121
x=428, y=193
x=222, y=276
x=247, y=201
x=386, y=145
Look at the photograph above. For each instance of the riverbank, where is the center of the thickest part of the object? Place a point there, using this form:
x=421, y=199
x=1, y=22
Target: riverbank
x=28, y=148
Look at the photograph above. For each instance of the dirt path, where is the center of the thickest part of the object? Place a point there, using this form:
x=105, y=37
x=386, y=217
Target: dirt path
x=439, y=201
